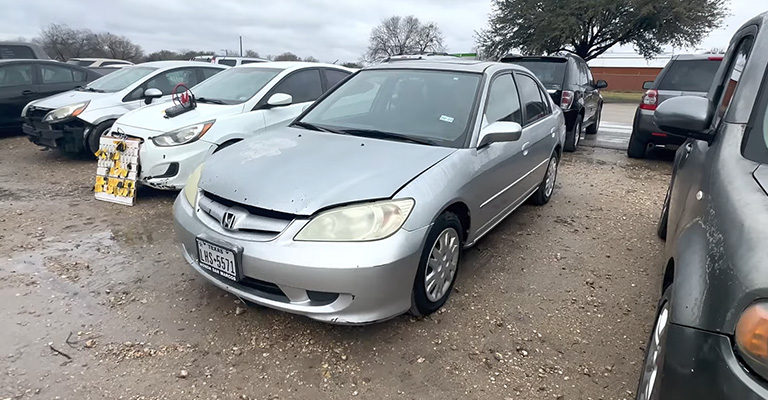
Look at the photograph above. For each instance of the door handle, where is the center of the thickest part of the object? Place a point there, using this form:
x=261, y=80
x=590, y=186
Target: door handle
x=27, y=92
x=526, y=146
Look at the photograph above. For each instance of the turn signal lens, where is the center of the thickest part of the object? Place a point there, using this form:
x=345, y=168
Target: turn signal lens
x=752, y=336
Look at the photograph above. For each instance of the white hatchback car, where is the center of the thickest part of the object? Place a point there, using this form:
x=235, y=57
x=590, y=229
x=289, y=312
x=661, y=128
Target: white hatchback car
x=231, y=106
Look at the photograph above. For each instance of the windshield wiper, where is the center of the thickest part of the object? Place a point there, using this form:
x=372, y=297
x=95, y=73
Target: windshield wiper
x=313, y=127
x=211, y=101
x=90, y=89
x=376, y=134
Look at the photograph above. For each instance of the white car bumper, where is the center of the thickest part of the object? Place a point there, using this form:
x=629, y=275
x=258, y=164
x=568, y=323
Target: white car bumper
x=168, y=168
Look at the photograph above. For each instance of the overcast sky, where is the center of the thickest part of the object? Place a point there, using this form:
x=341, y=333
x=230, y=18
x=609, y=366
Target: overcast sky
x=325, y=29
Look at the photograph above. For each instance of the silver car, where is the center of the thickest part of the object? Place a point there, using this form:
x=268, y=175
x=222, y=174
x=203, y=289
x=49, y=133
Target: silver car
x=359, y=209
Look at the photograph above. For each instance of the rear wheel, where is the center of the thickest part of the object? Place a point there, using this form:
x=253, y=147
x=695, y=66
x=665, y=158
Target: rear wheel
x=438, y=266
x=94, y=137
x=572, y=138
x=637, y=147
x=547, y=187
x=592, y=129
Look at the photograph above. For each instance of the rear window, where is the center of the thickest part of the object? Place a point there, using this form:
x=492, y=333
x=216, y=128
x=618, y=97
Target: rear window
x=9, y=52
x=550, y=73
x=230, y=63
x=690, y=75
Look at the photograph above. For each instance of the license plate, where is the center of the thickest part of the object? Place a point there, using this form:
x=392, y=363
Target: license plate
x=218, y=260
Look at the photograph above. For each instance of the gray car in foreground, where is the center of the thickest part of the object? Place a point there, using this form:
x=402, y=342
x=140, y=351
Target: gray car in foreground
x=359, y=210
x=710, y=337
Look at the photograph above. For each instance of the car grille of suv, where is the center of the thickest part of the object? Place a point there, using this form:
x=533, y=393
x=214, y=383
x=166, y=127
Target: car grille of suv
x=253, y=223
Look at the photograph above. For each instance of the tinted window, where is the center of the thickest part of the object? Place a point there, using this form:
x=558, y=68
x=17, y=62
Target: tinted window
x=250, y=61
x=120, y=79
x=302, y=86
x=209, y=72
x=80, y=63
x=9, y=52
x=231, y=63
x=550, y=73
x=57, y=74
x=107, y=63
x=690, y=75
x=503, y=102
x=15, y=75
x=169, y=79
x=235, y=85
x=530, y=95
x=334, y=76
x=435, y=106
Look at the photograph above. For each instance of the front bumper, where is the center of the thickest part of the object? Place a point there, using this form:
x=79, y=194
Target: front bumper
x=168, y=168
x=645, y=128
x=367, y=282
x=65, y=136
x=702, y=365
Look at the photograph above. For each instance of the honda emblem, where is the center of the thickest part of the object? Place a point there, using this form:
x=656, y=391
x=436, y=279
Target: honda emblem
x=228, y=221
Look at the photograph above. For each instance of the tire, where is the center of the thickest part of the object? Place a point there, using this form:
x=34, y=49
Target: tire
x=655, y=351
x=573, y=138
x=661, y=228
x=444, y=234
x=637, y=147
x=592, y=129
x=546, y=189
x=92, y=141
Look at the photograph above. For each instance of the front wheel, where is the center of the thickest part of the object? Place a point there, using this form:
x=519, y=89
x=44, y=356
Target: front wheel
x=438, y=266
x=94, y=137
x=543, y=194
x=655, y=351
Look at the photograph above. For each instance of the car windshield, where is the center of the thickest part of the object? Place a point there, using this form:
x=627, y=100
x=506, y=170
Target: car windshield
x=550, y=73
x=690, y=75
x=235, y=85
x=119, y=80
x=425, y=106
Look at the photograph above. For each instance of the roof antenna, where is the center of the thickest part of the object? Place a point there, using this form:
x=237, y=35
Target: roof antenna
x=337, y=60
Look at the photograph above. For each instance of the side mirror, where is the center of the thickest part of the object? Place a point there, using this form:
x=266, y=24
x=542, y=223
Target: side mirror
x=686, y=116
x=151, y=94
x=647, y=85
x=601, y=84
x=280, y=99
x=500, y=131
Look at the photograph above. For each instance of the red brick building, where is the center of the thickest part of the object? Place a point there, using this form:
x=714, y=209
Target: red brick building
x=625, y=79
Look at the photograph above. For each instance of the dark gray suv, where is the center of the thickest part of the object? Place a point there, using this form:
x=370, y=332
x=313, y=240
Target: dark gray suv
x=684, y=75
x=710, y=338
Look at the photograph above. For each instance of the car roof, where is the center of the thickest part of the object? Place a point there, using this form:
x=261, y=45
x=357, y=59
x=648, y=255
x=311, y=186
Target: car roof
x=459, y=65
x=289, y=64
x=684, y=57
x=177, y=63
x=97, y=59
x=36, y=60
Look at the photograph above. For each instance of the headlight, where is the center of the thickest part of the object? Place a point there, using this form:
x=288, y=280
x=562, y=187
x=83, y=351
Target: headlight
x=357, y=223
x=752, y=337
x=66, y=112
x=184, y=135
x=190, y=188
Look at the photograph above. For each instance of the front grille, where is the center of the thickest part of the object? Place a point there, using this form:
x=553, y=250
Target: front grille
x=36, y=116
x=249, y=222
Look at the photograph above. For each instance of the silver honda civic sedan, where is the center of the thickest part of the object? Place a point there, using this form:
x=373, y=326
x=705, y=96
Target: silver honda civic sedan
x=359, y=210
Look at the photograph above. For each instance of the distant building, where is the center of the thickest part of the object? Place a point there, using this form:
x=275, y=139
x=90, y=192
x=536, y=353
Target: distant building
x=626, y=72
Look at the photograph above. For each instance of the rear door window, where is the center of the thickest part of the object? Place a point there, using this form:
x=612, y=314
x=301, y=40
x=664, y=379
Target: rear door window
x=60, y=74
x=690, y=75
x=10, y=52
x=16, y=75
x=230, y=63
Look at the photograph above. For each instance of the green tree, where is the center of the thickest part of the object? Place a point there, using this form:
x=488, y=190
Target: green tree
x=590, y=27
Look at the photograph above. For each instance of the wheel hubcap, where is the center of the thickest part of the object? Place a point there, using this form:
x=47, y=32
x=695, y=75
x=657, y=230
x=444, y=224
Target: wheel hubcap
x=653, y=359
x=441, y=266
x=549, y=185
x=576, y=134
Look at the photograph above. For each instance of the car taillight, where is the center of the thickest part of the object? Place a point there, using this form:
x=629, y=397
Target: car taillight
x=650, y=100
x=566, y=99
x=213, y=60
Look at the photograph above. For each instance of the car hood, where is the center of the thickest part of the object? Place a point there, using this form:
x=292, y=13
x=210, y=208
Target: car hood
x=97, y=100
x=298, y=171
x=152, y=118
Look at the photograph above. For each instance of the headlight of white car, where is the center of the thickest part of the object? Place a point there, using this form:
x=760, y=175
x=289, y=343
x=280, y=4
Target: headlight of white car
x=358, y=223
x=184, y=135
x=190, y=188
x=66, y=112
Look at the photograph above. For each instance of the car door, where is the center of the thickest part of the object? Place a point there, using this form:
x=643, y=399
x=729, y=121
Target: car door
x=497, y=185
x=59, y=78
x=591, y=94
x=539, y=129
x=17, y=88
x=304, y=86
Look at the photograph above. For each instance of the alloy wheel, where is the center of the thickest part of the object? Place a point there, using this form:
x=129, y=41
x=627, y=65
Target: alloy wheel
x=653, y=361
x=549, y=184
x=441, y=265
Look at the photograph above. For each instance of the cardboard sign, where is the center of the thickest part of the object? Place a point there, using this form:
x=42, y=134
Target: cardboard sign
x=117, y=170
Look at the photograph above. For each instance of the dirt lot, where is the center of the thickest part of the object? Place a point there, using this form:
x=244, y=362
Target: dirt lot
x=555, y=303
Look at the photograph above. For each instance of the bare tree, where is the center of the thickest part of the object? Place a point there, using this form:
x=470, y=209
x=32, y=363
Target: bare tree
x=62, y=43
x=287, y=56
x=252, y=53
x=403, y=35
x=311, y=59
x=119, y=47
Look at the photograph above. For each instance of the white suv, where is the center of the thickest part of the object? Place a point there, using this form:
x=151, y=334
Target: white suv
x=231, y=61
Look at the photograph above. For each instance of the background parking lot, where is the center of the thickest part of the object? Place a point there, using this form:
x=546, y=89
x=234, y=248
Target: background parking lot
x=555, y=303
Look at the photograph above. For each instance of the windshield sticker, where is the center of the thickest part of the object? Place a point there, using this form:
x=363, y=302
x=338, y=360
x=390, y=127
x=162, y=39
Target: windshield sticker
x=446, y=118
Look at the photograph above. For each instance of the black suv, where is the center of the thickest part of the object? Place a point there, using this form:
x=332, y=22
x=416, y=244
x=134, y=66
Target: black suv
x=569, y=81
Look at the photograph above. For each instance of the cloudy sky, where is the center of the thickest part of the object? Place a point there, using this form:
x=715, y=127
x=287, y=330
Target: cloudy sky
x=325, y=29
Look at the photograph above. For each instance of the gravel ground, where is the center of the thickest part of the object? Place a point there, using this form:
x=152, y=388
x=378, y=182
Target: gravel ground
x=98, y=303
